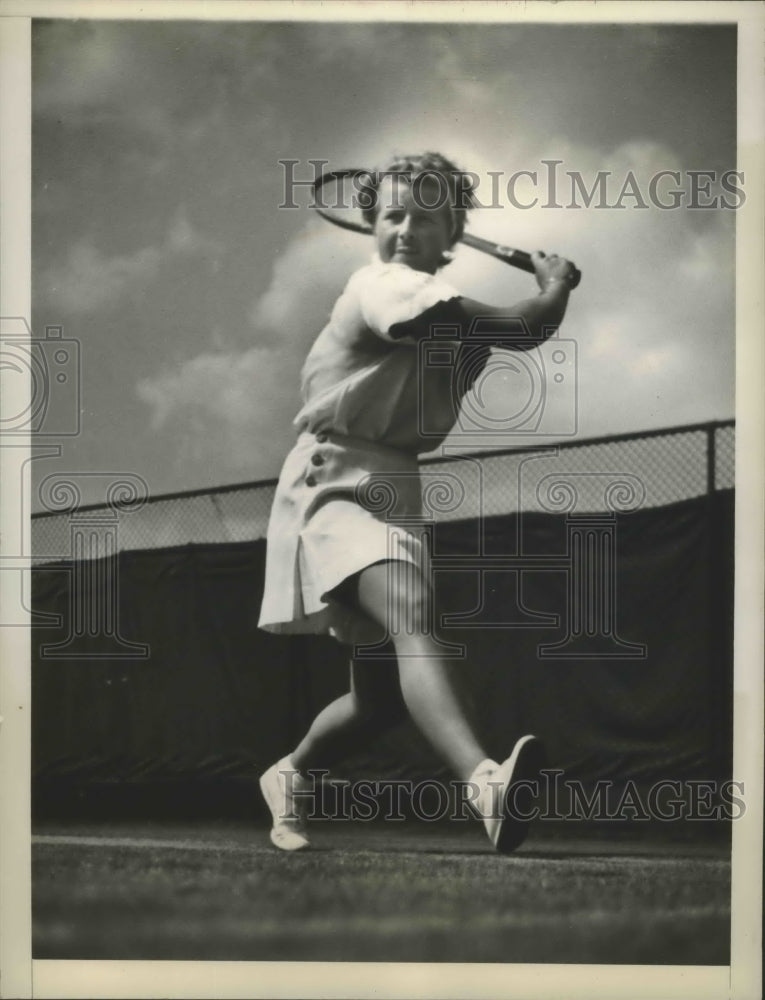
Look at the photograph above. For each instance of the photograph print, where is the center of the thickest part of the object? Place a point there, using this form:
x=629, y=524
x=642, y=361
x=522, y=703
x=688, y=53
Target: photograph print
x=382, y=489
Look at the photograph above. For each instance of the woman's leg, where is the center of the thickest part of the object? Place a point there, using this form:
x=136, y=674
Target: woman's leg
x=373, y=704
x=397, y=596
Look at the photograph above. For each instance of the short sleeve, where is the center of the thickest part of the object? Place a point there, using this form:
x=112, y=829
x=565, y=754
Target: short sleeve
x=393, y=294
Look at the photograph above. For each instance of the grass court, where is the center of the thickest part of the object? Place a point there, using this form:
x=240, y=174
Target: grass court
x=399, y=892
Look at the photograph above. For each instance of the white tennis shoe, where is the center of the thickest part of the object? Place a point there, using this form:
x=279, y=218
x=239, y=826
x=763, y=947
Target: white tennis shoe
x=278, y=785
x=506, y=793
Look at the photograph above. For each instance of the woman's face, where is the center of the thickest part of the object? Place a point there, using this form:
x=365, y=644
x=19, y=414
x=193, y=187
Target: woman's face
x=406, y=230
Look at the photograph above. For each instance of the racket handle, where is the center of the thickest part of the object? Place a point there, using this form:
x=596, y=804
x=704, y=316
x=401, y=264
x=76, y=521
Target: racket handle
x=509, y=255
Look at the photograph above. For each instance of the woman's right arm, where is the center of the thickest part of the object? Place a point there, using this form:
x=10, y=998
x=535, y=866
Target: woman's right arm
x=538, y=316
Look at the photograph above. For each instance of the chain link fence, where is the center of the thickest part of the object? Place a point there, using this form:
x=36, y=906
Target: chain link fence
x=624, y=472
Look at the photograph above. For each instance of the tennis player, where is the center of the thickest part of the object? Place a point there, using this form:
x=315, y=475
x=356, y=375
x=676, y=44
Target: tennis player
x=336, y=562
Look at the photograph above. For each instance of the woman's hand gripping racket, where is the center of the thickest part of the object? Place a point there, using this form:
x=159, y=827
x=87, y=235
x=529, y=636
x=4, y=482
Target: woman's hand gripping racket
x=345, y=214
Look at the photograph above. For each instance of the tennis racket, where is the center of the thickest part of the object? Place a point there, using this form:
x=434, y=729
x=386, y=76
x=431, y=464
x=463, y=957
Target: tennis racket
x=340, y=214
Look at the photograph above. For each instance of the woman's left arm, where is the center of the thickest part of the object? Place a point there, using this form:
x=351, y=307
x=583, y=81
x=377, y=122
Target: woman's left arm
x=520, y=326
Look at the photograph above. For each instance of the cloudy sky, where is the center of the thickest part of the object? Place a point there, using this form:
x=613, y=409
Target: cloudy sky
x=159, y=244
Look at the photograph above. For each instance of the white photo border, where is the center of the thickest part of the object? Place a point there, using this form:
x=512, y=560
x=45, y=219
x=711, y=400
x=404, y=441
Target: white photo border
x=22, y=977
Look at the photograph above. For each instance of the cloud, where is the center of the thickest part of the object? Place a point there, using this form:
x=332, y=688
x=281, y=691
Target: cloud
x=186, y=239
x=220, y=383
x=88, y=279
x=213, y=406
x=234, y=409
x=97, y=51
x=307, y=278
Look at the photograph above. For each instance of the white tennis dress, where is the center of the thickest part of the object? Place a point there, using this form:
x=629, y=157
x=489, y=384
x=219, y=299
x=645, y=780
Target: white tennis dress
x=349, y=492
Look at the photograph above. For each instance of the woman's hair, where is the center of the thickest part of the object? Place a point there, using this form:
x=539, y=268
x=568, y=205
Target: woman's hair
x=456, y=186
